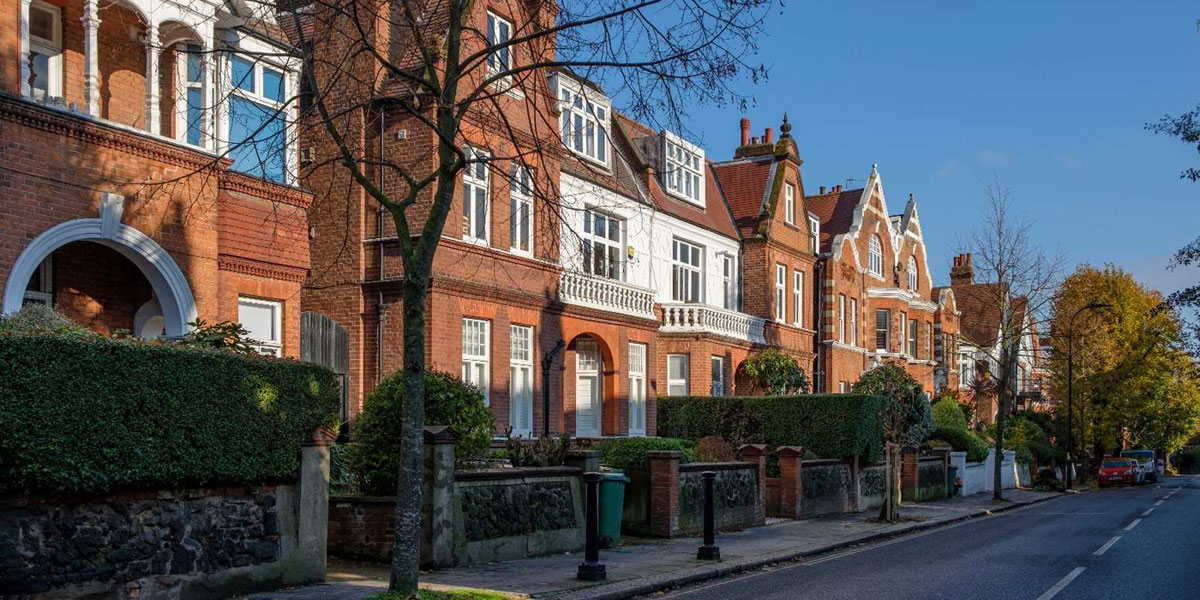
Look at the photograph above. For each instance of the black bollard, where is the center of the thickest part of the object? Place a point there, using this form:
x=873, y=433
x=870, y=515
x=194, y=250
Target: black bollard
x=591, y=568
x=709, y=551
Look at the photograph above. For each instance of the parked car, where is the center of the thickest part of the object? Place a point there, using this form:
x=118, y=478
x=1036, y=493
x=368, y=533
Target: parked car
x=1146, y=460
x=1117, y=471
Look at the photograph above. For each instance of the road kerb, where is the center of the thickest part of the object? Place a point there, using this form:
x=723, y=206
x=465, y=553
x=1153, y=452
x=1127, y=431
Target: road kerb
x=622, y=590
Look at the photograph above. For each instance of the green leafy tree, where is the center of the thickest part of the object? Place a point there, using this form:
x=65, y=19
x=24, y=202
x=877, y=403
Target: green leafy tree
x=775, y=373
x=907, y=420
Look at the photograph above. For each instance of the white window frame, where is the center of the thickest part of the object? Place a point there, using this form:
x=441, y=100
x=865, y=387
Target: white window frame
x=716, y=365
x=687, y=275
x=272, y=347
x=591, y=111
x=521, y=196
x=903, y=332
x=51, y=48
x=520, y=401
x=476, y=176
x=471, y=360
x=913, y=331
x=499, y=31
x=590, y=240
x=913, y=280
x=966, y=370
x=728, y=282
x=814, y=234
x=780, y=302
x=45, y=275
x=637, y=389
x=798, y=298
x=875, y=255
x=841, y=333
x=789, y=204
x=183, y=85
x=674, y=384
x=841, y=387
x=284, y=108
x=886, y=330
x=854, y=321
x=683, y=168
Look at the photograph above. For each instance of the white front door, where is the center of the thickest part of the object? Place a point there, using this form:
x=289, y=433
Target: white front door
x=587, y=389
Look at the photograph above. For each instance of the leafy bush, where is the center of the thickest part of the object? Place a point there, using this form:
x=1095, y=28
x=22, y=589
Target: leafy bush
x=775, y=373
x=375, y=453
x=85, y=414
x=960, y=440
x=947, y=414
x=543, y=452
x=1188, y=460
x=714, y=449
x=39, y=318
x=906, y=416
x=631, y=452
x=831, y=425
x=228, y=336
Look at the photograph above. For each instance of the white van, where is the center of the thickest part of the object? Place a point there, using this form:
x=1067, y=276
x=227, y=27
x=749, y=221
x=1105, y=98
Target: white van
x=1145, y=459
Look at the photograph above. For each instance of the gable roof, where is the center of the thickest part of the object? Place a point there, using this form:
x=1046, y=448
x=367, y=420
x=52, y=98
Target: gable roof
x=835, y=210
x=744, y=183
x=981, y=316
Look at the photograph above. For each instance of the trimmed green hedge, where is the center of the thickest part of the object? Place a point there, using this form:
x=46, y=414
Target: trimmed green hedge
x=87, y=415
x=631, y=451
x=830, y=425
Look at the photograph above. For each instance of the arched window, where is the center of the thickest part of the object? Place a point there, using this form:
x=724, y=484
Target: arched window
x=912, y=273
x=875, y=256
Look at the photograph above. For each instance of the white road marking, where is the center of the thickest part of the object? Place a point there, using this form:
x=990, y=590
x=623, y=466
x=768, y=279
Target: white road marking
x=1148, y=511
x=1062, y=583
x=1106, y=546
x=1130, y=526
x=1159, y=503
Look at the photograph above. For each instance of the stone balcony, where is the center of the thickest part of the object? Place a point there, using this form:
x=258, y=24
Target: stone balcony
x=678, y=317
x=602, y=293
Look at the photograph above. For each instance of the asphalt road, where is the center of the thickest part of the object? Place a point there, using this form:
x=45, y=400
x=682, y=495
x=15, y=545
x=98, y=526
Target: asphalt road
x=1136, y=542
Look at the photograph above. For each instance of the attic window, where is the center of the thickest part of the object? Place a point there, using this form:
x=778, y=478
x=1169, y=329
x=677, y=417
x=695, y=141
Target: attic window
x=814, y=234
x=583, y=120
x=683, y=168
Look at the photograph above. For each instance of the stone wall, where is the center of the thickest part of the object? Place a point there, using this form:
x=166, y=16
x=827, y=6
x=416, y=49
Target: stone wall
x=735, y=496
x=872, y=481
x=826, y=488
x=167, y=544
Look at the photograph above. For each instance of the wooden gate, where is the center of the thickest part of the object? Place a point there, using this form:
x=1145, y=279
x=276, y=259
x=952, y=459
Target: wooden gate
x=323, y=342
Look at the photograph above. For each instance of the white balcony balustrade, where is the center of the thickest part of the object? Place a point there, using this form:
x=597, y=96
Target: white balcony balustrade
x=701, y=318
x=605, y=294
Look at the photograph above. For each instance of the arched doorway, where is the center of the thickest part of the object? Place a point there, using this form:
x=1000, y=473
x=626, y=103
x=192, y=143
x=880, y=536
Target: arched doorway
x=168, y=287
x=589, y=386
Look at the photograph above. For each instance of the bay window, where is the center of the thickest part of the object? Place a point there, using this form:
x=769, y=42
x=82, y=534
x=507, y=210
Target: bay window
x=685, y=271
x=257, y=127
x=603, y=245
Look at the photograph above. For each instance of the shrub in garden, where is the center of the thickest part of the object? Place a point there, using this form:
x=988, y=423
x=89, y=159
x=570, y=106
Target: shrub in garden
x=947, y=414
x=775, y=373
x=960, y=440
x=907, y=418
x=84, y=414
x=714, y=449
x=830, y=425
x=542, y=452
x=375, y=450
x=631, y=452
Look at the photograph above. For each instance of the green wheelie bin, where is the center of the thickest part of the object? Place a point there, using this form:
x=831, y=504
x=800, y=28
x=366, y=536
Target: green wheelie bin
x=612, y=504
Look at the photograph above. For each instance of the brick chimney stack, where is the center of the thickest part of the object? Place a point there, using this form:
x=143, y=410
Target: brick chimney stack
x=745, y=131
x=822, y=190
x=767, y=136
x=962, y=273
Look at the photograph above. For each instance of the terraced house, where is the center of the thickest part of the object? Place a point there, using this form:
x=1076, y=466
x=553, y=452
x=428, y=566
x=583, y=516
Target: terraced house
x=132, y=196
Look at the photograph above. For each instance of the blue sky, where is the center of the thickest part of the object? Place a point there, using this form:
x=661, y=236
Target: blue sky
x=1051, y=96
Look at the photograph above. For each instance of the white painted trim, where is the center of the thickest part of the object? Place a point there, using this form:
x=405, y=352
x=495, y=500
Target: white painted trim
x=168, y=281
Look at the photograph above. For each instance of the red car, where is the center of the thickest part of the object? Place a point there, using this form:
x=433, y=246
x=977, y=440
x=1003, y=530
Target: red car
x=1117, y=471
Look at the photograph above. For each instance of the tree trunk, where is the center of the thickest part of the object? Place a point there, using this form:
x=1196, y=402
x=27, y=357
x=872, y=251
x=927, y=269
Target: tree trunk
x=997, y=465
x=406, y=549
x=891, y=484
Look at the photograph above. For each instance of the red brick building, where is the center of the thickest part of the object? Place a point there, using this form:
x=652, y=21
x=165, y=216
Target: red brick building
x=129, y=198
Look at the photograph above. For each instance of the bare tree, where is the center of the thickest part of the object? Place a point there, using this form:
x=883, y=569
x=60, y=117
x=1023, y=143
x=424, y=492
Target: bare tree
x=449, y=70
x=1020, y=281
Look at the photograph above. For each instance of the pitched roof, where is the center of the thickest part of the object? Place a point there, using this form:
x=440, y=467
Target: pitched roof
x=835, y=211
x=744, y=182
x=980, y=322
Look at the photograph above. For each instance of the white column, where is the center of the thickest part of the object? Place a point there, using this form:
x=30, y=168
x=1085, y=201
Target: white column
x=91, y=65
x=291, y=112
x=23, y=59
x=152, y=83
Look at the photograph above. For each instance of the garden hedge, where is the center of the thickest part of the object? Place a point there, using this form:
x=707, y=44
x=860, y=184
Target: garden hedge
x=830, y=425
x=86, y=415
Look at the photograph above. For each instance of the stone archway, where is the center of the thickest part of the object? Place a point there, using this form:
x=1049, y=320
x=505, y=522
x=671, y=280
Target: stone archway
x=171, y=288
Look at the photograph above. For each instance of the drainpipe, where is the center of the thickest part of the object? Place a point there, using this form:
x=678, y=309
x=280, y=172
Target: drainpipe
x=380, y=307
x=547, y=362
x=819, y=324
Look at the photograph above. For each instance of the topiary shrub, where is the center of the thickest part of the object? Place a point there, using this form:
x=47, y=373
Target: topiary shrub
x=84, y=414
x=960, y=440
x=375, y=450
x=714, y=449
x=775, y=373
x=906, y=418
x=631, y=452
x=948, y=415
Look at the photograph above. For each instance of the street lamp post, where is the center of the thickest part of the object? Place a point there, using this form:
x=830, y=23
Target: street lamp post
x=1070, y=385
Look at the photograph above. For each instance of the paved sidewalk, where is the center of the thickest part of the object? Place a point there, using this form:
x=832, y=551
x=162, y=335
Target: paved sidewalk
x=646, y=566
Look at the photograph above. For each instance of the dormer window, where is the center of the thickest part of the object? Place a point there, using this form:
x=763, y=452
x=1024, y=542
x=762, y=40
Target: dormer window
x=583, y=120
x=683, y=168
x=814, y=234
x=45, y=51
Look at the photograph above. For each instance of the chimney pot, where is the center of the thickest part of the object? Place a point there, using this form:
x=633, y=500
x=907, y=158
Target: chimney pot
x=745, y=131
x=767, y=136
x=822, y=190
x=754, y=140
